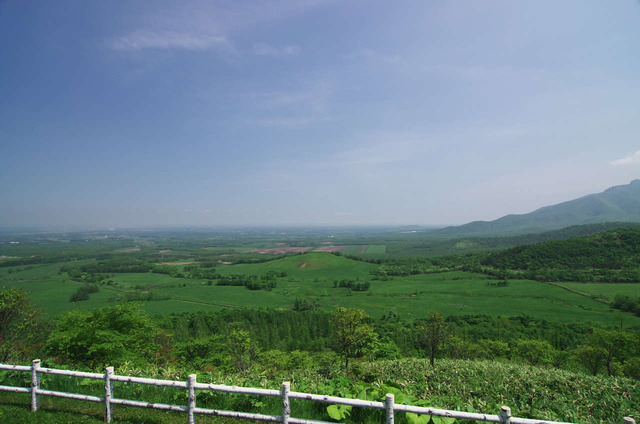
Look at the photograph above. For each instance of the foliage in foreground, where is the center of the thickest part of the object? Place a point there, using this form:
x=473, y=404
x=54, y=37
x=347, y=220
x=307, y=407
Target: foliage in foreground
x=474, y=386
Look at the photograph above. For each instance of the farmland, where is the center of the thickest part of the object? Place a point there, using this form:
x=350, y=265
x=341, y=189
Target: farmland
x=312, y=275
x=244, y=302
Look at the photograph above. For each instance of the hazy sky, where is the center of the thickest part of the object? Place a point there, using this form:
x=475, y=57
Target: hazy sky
x=123, y=113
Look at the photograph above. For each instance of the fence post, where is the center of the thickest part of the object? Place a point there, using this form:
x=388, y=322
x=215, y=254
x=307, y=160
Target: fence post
x=286, y=410
x=628, y=420
x=389, y=401
x=108, y=394
x=35, y=385
x=505, y=415
x=191, y=385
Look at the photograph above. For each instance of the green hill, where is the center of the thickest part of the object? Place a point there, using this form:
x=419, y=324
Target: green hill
x=618, y=203
x=608, y=256
x=431, y=247
x=305, y=266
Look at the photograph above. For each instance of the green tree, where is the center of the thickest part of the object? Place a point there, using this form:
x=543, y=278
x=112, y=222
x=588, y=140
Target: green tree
x=632, y=368
x=493, y=349
x=352, y=336
x=591, y=357
x=241, y=350
x=200, y=353
x=431, y=334
x=615, y=343
x=458, y=348
x=535, y=352
x=19, y=324
x=106, y=336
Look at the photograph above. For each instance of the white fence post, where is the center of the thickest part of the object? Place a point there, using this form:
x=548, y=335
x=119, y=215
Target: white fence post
x=192, y=399
x=389, y=402
x=286, y=410
x=628, y=420
x=35, y=385
x=505, y=414
x=108, y=394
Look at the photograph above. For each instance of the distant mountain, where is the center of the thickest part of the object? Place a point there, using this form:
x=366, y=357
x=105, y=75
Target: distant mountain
x=618, y=203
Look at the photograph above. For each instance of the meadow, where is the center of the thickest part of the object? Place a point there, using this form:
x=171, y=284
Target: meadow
x=311, y=276
x=202, y=294
x=605, y=291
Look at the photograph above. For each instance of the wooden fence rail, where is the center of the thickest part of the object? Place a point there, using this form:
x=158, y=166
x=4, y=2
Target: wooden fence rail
x=389, y=406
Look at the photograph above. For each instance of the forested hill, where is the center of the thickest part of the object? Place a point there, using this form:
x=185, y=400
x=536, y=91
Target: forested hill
x=618, y=203
x=611, y=250
x=429, y=247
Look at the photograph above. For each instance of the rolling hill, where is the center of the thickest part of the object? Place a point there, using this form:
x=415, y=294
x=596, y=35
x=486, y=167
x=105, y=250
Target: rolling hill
x=616, y=249
x=619, y=203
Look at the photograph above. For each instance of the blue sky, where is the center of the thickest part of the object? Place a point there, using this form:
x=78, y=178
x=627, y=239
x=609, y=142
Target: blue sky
x=138, y=113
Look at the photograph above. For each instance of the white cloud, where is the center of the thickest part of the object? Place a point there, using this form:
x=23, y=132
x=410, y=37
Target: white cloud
x=629, y=160
x=204, y=25
x=262, y=49
x=139, y=40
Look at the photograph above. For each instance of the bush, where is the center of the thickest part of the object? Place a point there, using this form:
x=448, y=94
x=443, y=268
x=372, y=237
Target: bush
x=83, y=292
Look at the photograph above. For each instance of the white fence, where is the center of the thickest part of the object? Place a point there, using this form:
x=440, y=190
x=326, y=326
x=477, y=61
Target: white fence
x=504, y=417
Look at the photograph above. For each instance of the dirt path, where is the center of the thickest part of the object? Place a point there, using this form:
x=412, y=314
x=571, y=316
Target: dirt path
x=576, y=292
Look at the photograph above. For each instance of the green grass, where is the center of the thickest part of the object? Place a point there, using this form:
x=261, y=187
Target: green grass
x=307, y=266
x=311, y=275
x=354, y=249
x=607, y=290
x=459, y=293
x=376, y=249
x=14, y=409
x=148, y=279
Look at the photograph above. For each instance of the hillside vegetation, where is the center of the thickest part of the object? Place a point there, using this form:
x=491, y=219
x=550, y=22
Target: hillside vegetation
x=607, y=256
x=619, y=203
x=473, y=386
x=174, y=306
x=427, y=244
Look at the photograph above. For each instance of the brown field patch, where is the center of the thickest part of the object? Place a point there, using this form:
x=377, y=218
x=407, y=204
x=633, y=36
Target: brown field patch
x=280, y=250
x=164, y=251
x=129, y=249
x=303, y=266
x=330, y=249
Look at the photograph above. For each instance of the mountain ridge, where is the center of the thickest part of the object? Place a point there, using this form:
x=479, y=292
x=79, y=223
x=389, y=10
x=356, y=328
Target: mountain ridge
x=617, y=203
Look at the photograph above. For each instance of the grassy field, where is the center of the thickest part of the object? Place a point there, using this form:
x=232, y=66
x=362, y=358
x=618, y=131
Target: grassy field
x=312, y=276
x=355, y=249
x=376, y=249
x=606, y=290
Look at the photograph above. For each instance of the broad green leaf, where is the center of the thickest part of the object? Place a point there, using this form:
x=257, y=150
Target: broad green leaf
x=417, y=419
x=443, y=420
x=397, y=394
x=338, y=412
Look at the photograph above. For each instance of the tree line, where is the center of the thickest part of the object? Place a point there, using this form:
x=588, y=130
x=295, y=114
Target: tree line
x=237, y=340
